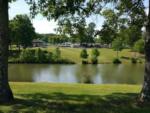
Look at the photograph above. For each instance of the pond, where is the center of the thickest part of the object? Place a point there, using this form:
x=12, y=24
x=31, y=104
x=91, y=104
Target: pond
x=96, y=74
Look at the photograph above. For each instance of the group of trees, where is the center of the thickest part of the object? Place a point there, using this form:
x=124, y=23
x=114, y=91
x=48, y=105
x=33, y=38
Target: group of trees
x=122, y=29
x=76, y=30
x=52, y=38
x=40, y=56
x=119, y=27
x=94, y=56
x=51, y=9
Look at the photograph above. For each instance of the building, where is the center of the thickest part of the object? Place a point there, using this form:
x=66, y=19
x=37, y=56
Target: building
x=38, y=43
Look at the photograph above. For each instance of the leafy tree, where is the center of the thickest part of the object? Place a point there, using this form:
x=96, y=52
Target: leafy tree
x=117, y=19
x=133, y=34
x=90, y=33
x=118, y=45
x=84, y=55
x=139, y=46
x=94, y=55
x=22, y=31
x=76, y=30
x=111, y=26
x=107, y=34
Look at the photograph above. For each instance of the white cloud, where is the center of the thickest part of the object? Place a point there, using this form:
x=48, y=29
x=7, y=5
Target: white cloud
x=19, y=7
x=40, y=23
x=44, y=26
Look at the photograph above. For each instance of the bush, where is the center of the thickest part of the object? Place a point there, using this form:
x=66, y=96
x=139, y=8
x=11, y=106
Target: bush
x=134, y=60
x=139, y=46
x=94, y=60
x=27, y=56
x=57, y=55
x=117, y=61
x=84, y=55
x=95, y=54
x=40, y=56
x=49, y=57
x=84, y=62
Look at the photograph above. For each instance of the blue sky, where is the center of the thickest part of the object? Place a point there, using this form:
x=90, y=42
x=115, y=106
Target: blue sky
x=41, y=24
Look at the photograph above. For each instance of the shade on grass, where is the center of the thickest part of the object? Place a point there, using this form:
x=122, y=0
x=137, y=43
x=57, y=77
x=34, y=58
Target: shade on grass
x=73, y=98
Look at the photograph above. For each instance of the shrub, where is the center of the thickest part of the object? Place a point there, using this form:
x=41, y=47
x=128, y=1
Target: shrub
x=27, y=56
x=139, y=46
x=84, y=62
x=134, y=60
x=117, y=61
x=95, y=54
x=49, y=57
x=94, y=60
x=57, y=55
x=40, y=56
x=84, y=55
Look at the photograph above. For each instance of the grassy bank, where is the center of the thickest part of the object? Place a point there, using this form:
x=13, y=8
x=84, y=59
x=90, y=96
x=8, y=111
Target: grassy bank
x=73, y=98
x=106, y=55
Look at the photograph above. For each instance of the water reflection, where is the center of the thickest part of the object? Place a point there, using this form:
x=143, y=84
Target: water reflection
x=86, y=73
x=129, y=73
x=96, y=74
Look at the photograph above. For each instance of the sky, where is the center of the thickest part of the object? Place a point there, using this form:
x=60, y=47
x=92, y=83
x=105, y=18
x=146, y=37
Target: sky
x=41, y=24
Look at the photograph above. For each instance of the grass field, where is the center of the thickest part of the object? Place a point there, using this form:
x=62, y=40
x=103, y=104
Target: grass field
x=73, y=98
x=106, y=55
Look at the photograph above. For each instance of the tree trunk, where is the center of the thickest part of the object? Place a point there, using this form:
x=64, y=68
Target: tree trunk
x=5, y=91
x=145, y=93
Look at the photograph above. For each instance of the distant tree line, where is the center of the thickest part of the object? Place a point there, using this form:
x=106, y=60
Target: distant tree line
x=39, y=55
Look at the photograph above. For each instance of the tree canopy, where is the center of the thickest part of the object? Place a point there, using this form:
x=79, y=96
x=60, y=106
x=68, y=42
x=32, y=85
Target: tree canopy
x=22, y=31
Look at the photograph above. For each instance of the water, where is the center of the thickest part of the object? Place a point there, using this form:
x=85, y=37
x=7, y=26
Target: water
x=96, y=74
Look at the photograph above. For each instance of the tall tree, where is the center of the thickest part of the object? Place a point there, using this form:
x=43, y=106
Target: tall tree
x=145, y=93
x=90, y=32
x=5, y=91
x=74, y=28
x=22, y=31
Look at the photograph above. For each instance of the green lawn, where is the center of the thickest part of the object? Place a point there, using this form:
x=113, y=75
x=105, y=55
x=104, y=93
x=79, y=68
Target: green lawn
x=73, y=98
x=106, y=55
